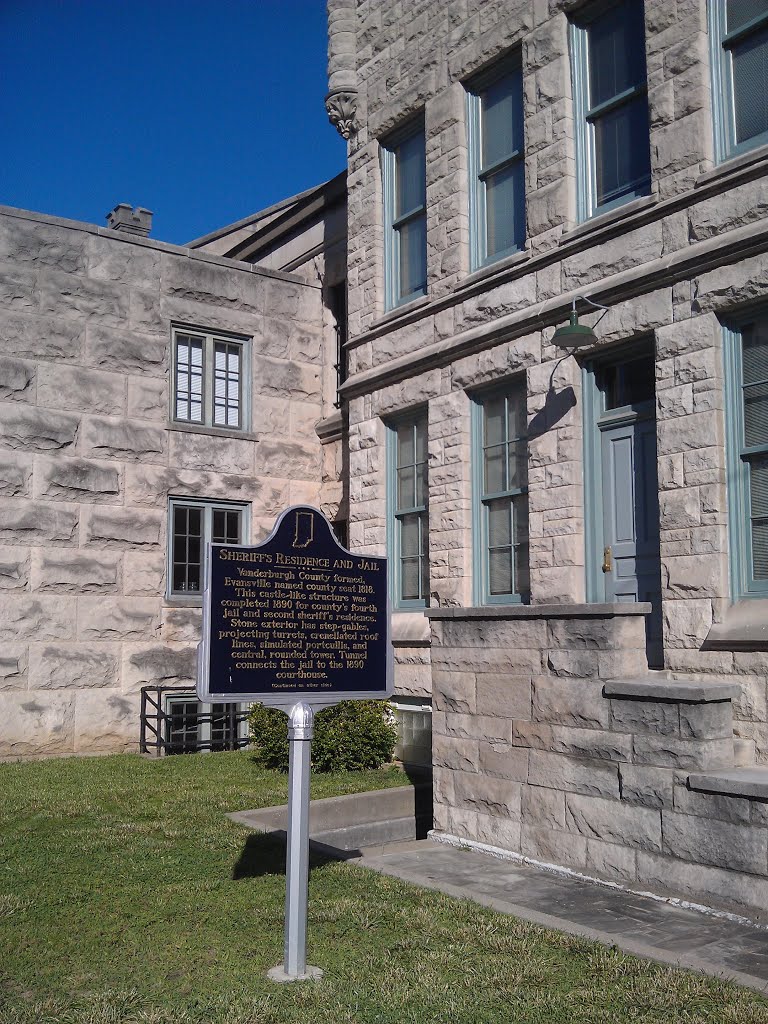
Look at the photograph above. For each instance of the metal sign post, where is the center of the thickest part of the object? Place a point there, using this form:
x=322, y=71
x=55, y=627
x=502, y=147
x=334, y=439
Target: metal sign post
x=298, y=623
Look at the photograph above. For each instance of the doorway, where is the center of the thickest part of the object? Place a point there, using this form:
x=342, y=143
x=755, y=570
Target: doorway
x=621, y=486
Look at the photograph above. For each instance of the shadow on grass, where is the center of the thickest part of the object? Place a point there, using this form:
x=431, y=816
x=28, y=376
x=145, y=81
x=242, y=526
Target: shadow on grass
x=264, y=854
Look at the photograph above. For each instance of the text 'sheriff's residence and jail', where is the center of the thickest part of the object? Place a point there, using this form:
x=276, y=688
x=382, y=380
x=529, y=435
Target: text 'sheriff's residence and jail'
x=578, y=537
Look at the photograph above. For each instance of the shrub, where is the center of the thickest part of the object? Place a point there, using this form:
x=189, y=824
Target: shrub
x=349, y=736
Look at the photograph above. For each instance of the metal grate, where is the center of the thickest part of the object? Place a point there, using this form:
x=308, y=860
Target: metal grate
x=173, y=721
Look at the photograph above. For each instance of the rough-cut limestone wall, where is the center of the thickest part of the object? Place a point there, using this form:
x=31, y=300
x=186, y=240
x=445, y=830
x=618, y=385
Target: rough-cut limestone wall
x=531, y=757
x=88, y=460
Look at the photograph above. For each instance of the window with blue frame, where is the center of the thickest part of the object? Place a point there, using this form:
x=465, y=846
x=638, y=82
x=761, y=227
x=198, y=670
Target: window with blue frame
x=611, y=106
x=747, y=421
x=500, y=469
x=739, y=39
x=405, y=216
x=496, y=164
x=408, y=519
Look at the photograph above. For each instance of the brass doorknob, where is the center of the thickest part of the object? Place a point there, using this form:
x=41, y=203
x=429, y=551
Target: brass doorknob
x=607, y=559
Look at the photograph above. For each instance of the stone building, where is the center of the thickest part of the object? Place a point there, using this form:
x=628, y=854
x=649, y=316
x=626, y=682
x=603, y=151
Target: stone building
x=152, y=397
x=578, y=525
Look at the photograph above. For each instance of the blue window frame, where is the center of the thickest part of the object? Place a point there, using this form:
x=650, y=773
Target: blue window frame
x=738, y=31
x=746, y=349
x=500, y=495
x=496, y=162
x=611, y=106
x=405, y=216
x=408, y=513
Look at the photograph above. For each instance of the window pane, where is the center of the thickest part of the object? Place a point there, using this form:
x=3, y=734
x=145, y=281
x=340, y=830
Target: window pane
x=413, y=256
x=495, y=479
x=755, y=414
x=517, y=418
x=500, y=523
x=505, y=208
x=494, y=413
x=189, y=378
x=502, y=129
x=517, y=473
x=500, y=572
x=187, y=534
x=226, y=384
x=520, y=521
x=409, y=535
x=406, y=444
x=410, y=185
x=410, y=578
x=758, y=487
x=622, y=160
x=616, y=52
x=742, y=11
x=755, y=352
x=750, y=85
x=406, y=487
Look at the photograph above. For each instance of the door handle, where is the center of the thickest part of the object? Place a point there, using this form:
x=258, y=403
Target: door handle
x=607, y=559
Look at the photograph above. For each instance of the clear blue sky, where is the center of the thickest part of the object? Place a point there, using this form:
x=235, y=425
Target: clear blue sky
x=201, y=110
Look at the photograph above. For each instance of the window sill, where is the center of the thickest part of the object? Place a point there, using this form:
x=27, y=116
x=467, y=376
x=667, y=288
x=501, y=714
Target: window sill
x=744, y=628
x=750, y=164
x=199, y=428
x=608, y=220
x=490, y=270
x=394, y=314
x=177, y=601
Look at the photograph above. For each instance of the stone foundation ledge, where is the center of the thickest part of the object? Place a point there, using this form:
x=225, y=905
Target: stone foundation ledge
x=541, y=611
x=749, y=782
x=695, y=691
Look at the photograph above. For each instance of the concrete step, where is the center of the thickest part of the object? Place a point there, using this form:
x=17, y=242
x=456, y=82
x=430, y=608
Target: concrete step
x=749, y=782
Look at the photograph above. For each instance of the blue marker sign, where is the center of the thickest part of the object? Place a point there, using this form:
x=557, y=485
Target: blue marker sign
x=297, y=618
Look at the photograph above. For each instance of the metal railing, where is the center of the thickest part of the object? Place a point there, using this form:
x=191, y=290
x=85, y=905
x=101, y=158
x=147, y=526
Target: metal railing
x=173, y=721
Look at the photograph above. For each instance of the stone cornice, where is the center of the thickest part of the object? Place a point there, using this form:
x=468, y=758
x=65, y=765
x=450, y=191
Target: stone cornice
x=680, y=265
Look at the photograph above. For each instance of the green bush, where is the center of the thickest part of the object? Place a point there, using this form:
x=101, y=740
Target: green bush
x=351, y=735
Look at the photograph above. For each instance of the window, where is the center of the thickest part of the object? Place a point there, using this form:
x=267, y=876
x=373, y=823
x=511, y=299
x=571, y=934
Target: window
x=193, y=524
x=500, y=467
x=739, y=38
x=408, y=516
x=210, y=375
x=496, y=166
x=611, y=107
x=190, y=726
x=747, y=419
x=337, y=303
x=405, y=217
x=413, y=717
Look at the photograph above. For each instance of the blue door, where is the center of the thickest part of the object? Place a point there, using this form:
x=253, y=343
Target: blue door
x=626, y=425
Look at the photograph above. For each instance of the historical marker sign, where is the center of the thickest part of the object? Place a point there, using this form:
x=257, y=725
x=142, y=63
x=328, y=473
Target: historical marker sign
x=297, y=618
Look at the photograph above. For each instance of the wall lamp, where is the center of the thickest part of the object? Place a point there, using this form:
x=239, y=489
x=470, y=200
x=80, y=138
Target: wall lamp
x=576, y=335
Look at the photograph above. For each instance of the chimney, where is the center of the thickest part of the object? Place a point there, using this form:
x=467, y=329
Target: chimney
x=133, y=220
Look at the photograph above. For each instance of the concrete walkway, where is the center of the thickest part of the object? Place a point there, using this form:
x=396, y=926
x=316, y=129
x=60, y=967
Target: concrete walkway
x=637, y=924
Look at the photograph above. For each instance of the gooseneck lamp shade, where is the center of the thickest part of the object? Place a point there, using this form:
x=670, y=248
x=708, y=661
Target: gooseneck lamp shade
x=573, y=334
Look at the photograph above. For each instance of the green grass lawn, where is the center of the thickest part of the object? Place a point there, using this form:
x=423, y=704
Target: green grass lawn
x=126, y=897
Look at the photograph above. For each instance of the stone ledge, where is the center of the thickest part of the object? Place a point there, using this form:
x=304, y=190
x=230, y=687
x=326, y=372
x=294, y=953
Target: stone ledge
x=541, y=611
x=699, y=691
x=749, y=782
x=744, y=628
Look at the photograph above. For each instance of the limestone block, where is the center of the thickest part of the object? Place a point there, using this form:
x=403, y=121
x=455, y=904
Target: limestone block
x=143, y=573
x=37, y=724
x=686, y=623
x=77, y=389
x=611, y=861
x=650, y=787
x=687, y=755
x=698, y=430
x=17, y=379
x=147, y=399
x=692, y=576
x=41, y=245
x=502, y=760
x=181, y=625
x=456, y=821
x=613, y=822
x=548, y=207
x=15, y=474
x=727, y=211
x=106, y=721
x=151, y=485
x=504, y=695
x=580, y=664
x=154, y=664
x=470, y=726
x=195, y=280
x=571, y=702
x=719, y=843
x=631, y=249
x=292, y=459
x=123, y=439
x=460, y=755
x=714, y=887
x=125, y=351
x=23, y=522
x=14, y=568
x=679, y=509
x=679, y=145
x=706, y=721
x=543, y=808
x=550, y=846
x=75, y=480
x=110, y=259
x=74, y=571
x=699, y=332
x=714, y=805
x=500, y=832
x=110, y=618
x=37, y=429
x=455, y=691
x=500, y=798
x=561, y=739
x=568, y=774
x=13, y=667
x=494, y=660
x=190, y=450
x=115, y=527
x=643, y=716
x=280, y=378
x=487, y=633
x=35, y=337
x=72, y=666
x=616, y=633
x=70, y=295
x=442, y=785
x=19, y=289
x=736, y=282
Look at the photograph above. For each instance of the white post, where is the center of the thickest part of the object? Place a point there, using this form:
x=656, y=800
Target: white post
x=300, y=732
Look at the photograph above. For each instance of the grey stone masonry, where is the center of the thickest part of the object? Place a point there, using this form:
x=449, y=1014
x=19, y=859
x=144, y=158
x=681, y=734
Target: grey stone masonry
x=89, y=457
